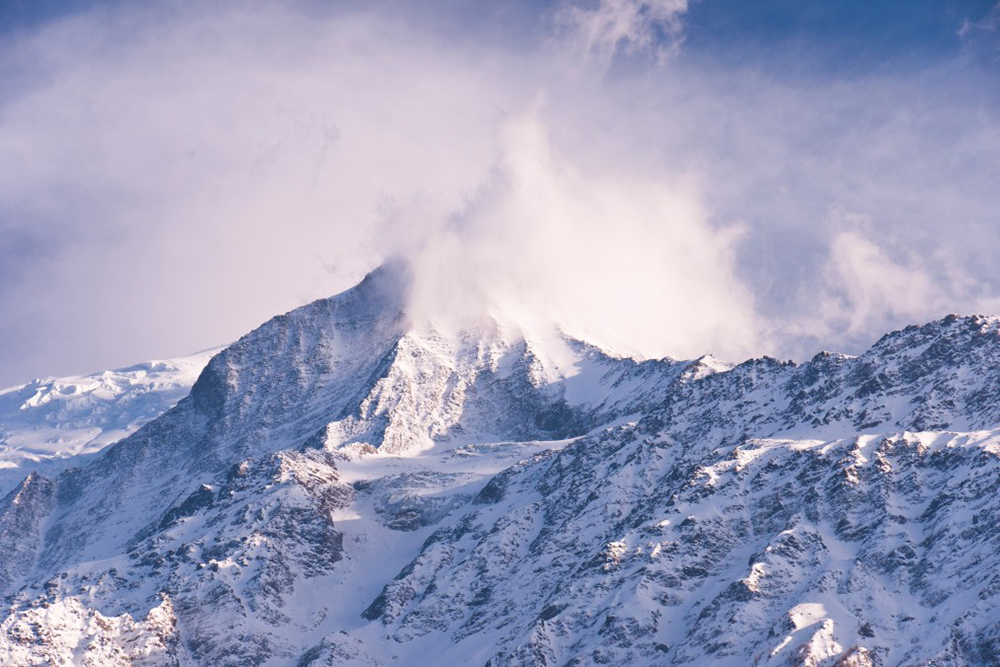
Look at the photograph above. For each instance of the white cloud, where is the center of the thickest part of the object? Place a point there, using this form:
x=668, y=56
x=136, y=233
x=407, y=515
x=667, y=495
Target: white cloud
x=630, y=262
x=988, y=23
x=171, y=177
x=190, y=175
x=627, y=26
x=865, y=284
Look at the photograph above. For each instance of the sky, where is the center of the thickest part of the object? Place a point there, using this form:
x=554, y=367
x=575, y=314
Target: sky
x=668, y=177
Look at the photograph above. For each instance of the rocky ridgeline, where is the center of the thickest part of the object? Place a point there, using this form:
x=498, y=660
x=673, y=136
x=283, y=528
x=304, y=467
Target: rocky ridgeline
x=346, y=486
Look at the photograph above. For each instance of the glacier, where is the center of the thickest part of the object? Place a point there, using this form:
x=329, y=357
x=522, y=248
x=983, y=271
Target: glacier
x=347, y=486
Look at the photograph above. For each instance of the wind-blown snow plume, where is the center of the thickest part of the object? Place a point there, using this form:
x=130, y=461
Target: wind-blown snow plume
x=633, y=264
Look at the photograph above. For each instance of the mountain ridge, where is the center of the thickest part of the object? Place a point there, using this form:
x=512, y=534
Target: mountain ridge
x=345, y=486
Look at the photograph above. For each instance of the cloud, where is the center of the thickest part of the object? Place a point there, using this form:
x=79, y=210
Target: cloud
x=630, y=262
x=173, y=174
x=980, y=36
x=862, y=285
x=988, y=23
x=178, y=178
x=627, y=26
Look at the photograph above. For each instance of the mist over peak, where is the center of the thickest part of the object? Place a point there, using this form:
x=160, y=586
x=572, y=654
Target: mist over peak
x=633, y=263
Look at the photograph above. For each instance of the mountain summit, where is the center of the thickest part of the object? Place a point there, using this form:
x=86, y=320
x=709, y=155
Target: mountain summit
x=345, y=485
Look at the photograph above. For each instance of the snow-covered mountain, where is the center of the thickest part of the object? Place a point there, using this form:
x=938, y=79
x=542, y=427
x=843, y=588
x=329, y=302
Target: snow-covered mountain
x=345, y=485
x=50, y=423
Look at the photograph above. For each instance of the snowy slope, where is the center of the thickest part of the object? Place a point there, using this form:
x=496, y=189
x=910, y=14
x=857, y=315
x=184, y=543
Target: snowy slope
x=346, y=486
x=47, y=422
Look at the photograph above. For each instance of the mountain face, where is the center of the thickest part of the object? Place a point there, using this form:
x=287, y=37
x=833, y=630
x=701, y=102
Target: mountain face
x=346, y=486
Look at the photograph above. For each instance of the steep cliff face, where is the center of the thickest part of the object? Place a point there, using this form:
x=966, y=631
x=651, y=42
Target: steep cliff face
x=346, y=486
x=22, y=514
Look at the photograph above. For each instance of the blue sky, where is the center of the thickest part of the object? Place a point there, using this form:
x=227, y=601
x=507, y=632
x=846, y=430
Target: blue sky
x=833, y=35
x=770, y=177
x=847, y=37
